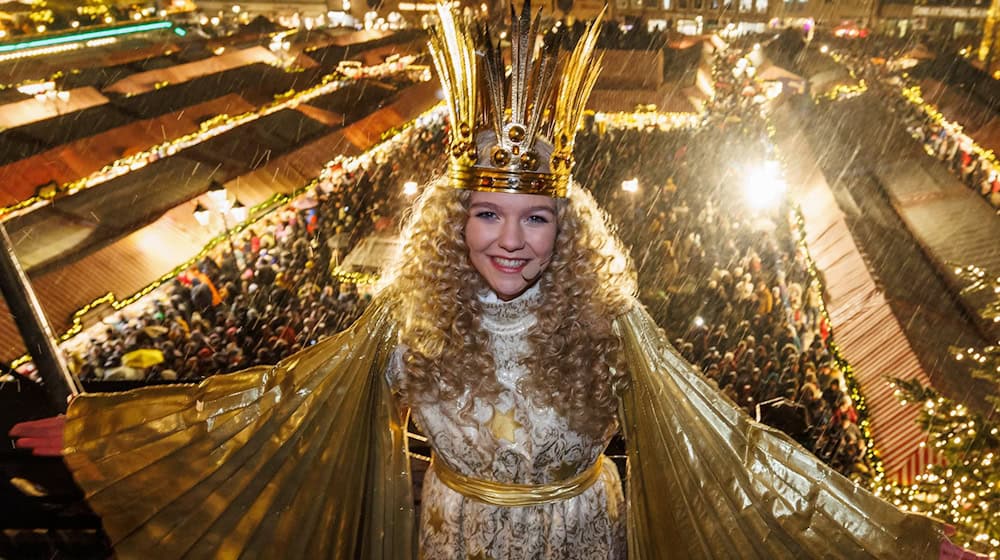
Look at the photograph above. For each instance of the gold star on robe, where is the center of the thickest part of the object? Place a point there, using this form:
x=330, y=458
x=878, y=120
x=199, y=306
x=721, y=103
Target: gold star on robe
x=503, y=425
x=434, y=519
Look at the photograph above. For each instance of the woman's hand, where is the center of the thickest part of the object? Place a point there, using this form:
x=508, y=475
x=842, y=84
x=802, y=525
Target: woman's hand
x=43, y=437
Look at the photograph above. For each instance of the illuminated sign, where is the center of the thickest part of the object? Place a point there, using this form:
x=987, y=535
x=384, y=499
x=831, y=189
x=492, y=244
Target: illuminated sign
x=85, y=36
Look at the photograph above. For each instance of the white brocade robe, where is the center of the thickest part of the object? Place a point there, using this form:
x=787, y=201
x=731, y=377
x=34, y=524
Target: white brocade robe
x=511, y=440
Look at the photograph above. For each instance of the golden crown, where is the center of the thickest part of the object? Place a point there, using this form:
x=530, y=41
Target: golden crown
x=520, y=109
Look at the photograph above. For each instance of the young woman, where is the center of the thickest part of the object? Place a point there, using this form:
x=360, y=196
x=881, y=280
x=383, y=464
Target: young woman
x=509, y=364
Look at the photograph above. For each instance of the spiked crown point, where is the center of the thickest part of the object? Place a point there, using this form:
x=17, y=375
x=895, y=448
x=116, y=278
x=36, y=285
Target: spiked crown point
x=512, y=131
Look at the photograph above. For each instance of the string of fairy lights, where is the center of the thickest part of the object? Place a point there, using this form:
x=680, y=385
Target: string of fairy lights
x=852, y=385
x=211, y=128
x=841, y=92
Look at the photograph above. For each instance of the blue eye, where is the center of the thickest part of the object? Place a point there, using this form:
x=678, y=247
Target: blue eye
x=486, y=215
x=538, y=219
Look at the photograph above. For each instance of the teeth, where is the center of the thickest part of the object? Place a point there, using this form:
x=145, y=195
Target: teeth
x=509, y=263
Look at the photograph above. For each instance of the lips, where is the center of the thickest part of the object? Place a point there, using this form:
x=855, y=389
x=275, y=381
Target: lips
x=510, y=266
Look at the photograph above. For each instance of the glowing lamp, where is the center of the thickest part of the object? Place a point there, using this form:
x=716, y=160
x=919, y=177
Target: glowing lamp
x=201, y=214
x=218, y=195
x=239, y=211
x=763, y=186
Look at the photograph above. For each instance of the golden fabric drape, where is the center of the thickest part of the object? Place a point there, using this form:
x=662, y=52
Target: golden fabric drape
x=307, y=459
x=705, y=481
x=516, y=495
x=304, y=459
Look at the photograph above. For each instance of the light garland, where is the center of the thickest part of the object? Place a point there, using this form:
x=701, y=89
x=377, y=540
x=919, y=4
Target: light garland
x=963, y=492
x=843, y=365
x=648, y=119
x=842, y=92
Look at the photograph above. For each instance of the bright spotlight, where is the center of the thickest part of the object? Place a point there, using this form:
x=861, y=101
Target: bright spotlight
x=630, y=185
x=410, y=188
x=699, y=322
x=763, y=186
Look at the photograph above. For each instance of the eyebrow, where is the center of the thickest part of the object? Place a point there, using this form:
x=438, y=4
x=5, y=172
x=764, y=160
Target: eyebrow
x=492, y=206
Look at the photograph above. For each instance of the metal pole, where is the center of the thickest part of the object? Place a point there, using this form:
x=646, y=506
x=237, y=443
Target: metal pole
x=60, y=384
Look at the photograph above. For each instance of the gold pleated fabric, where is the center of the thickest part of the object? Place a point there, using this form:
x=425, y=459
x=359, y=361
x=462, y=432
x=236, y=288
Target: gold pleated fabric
x=307, y=459
x=304, y=459
x=705, y=481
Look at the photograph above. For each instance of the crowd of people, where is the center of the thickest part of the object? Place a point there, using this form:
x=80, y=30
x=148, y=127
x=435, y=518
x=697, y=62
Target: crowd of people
x=951, y=147
x=947, y=143
x=727, y=282
x=271, y=294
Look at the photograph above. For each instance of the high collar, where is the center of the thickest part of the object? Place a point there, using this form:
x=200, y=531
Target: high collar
x=502, y=317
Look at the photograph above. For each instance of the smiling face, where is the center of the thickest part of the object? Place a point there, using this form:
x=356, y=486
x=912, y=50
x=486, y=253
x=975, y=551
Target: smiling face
x=510, y=239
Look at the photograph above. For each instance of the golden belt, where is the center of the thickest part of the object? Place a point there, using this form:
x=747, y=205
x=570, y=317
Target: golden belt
x=510, y=494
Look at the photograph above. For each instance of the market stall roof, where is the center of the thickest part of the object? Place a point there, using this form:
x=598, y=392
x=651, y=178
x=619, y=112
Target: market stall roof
x=154, y=79
x=679, y=91
x=330, y=51
x=773, y=72
x=132, y=260
x=32, y=110
x=129, y=50
x=826, y=80
x=258, y=83
x=96, y=216
x=37, y=137
x=938, y=209
x=72, y=161
x=372, y=254
x=919, y=51
x=668, y=98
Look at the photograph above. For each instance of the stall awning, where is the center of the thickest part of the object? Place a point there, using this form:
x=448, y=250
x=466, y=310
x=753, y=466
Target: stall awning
x=148, y=81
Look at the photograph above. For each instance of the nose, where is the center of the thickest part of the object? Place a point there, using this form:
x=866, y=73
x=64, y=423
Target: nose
x=511, y=236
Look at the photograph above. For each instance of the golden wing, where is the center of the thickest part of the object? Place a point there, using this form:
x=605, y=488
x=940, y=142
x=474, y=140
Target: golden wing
x=706, y=481
x=302, y=459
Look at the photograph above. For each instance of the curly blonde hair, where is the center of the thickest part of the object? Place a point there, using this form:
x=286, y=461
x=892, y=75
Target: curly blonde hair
x=575, y=365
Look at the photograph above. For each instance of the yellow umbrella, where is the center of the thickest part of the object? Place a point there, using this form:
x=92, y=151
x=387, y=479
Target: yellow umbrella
x=142, y=358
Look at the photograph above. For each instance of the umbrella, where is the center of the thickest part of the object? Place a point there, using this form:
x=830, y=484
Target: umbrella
x=142, y=358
